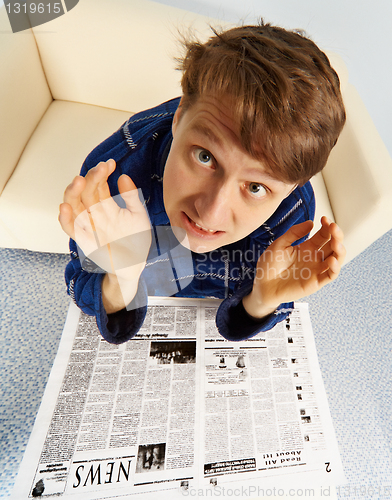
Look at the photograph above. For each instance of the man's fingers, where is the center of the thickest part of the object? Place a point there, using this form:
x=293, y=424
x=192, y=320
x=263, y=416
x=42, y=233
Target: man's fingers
x=327, y=240
x=103, y=186
x=321, y=237
x=332, y=271
x=90, y=195
x=72, y=195
x=125, y=183
x=84, y=192
x=333, y=247
x=333, y=237
x=293, y=234
x=97, y=189
x=78, y=228
x=336, y=232
x=130, y=194
x=66, y=219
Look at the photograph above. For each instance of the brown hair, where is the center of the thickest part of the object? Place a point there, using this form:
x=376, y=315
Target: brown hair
x=287, y=96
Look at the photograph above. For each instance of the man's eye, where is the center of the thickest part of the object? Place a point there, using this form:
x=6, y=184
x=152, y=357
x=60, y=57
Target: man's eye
x=257, y=190
x=204, y=157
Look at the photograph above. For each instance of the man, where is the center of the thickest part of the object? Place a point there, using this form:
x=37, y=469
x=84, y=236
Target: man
x=227, y=168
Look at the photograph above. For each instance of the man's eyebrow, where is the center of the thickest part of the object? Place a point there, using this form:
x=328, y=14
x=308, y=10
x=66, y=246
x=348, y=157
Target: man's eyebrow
x=207, y=132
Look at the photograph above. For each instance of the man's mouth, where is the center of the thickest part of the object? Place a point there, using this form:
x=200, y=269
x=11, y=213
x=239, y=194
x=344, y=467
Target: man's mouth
x=204, y=228
x=198, y=229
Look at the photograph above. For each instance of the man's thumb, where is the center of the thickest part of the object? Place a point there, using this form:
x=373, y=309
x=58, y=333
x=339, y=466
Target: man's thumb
x=125, y=183
x=295, y=233
x=130, y=193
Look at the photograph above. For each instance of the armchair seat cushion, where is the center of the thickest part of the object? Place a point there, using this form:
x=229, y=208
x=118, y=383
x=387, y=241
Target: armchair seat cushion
x=52, y=158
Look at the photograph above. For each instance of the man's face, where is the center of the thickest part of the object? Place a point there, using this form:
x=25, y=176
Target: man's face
x=212, y=188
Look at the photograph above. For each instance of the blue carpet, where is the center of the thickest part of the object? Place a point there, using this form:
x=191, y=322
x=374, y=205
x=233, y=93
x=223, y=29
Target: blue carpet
x=33, y=307
x=353, y=333
x=351, y=321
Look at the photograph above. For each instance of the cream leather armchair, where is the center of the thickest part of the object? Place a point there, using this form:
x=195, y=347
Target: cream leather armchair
x=67, y=85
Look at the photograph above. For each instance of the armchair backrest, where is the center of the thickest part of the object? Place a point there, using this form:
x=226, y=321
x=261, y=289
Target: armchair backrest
x=117, y=54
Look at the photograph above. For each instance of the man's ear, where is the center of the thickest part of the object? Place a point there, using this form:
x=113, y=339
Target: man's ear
x=176, y=117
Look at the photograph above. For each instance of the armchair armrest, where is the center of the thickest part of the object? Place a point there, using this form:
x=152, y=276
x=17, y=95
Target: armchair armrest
x=24, y=95
x=358, y=178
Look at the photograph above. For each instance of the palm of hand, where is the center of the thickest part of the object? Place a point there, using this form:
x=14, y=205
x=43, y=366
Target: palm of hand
x=286, y=273
x=113, y=237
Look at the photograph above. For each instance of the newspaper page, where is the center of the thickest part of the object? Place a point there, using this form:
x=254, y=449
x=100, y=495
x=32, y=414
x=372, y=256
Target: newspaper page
x=178, y=409
x=262, y=404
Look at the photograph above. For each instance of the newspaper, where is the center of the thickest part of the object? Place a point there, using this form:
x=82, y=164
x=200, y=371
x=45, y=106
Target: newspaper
x=178, y=409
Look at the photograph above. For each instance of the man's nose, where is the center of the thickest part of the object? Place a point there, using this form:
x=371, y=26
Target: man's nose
x=214, y=205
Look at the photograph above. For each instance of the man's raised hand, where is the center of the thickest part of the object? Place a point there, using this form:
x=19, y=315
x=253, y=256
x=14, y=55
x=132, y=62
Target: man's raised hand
x=287, y=273
x=114, y=238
